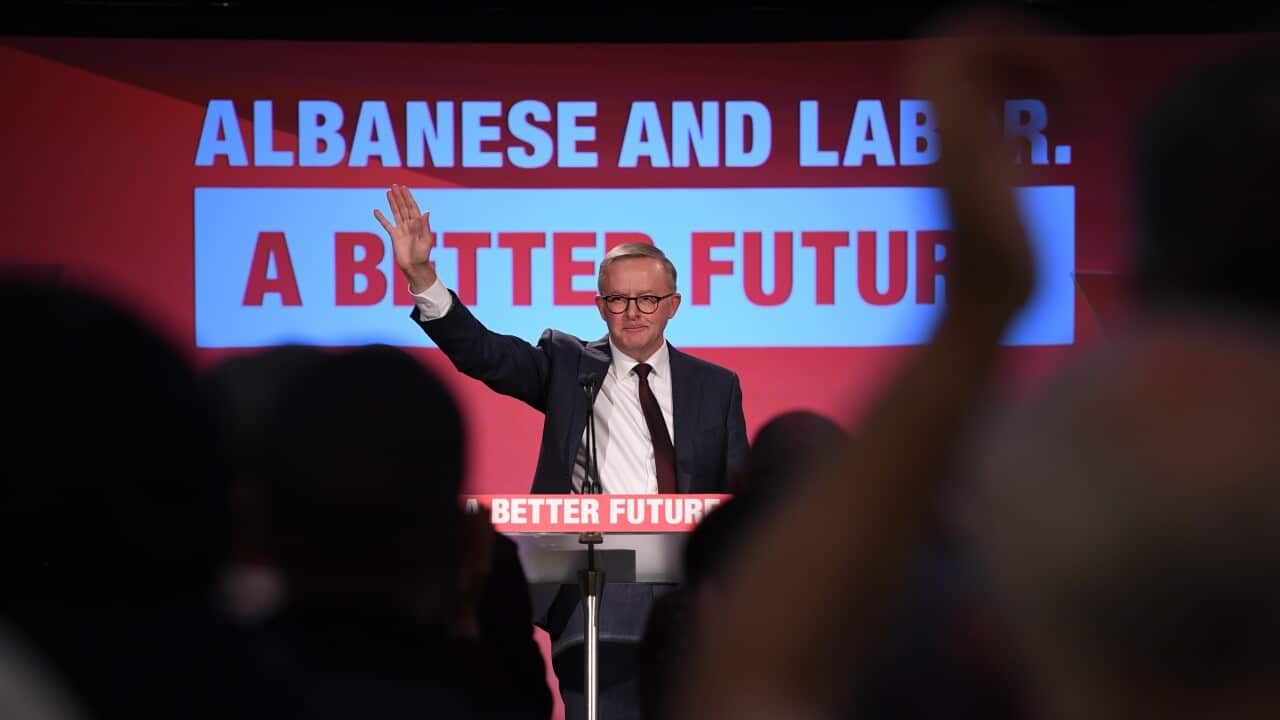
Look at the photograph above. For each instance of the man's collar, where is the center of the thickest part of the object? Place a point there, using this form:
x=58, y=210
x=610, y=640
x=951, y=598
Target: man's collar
x=623, y=363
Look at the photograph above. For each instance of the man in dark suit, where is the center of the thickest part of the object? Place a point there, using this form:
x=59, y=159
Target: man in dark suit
x=664, y=421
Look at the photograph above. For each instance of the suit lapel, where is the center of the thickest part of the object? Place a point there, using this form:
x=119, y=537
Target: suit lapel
x=684, y=414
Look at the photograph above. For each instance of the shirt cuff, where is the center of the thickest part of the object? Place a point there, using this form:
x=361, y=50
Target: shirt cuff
x=434, y=302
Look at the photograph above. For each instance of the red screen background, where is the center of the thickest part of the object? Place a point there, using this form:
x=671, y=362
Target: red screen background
x=101, y=135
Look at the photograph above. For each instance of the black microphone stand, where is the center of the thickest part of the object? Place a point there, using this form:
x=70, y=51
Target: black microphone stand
x=591, y=580
x=591, y=483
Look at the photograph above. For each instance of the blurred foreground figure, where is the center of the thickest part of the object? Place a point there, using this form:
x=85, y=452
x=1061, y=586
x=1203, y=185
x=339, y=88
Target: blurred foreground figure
x=396, y=604
x=1206, y=159
x=114, y=519
x=1125, y=516
x=779, y=453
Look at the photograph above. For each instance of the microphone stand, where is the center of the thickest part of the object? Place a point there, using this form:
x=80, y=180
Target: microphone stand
x=591, y=581
x=591, y=484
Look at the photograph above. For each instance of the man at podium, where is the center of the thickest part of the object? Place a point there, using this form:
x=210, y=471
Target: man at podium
x=664, y=421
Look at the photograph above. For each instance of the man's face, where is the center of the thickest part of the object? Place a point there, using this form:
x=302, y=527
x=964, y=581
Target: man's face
x=636, y=333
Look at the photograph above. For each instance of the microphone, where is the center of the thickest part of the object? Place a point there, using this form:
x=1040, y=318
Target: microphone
x=590, y=384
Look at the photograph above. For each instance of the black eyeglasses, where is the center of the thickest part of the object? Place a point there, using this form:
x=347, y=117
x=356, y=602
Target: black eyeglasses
x=647, y=304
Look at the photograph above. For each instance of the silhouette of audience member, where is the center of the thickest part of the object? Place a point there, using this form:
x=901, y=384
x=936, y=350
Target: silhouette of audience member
x=1126, y=518
x=246, y=390
x=113, y=511
x=663, y=651
x=939, y=636
x=947, y=654
x=829, y=565
x=1124, y=515
x=384, y=575
x=1206, y=155
x=782, y=452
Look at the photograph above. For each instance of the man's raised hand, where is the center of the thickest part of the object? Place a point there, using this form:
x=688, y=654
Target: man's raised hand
x=411, y=237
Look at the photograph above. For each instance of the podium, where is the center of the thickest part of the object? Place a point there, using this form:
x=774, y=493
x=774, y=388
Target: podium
x=590, y=540
x=590, y=561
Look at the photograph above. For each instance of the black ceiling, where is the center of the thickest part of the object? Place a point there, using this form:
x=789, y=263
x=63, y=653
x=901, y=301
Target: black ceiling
x=543, y=22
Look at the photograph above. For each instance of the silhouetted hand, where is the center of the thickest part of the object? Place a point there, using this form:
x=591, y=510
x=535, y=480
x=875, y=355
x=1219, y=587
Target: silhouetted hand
x=967, y=75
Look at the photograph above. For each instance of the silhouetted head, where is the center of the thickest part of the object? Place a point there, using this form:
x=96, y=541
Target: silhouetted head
x=246, y=392
x=113, y=507
x=363, y=497
x=114, y=494
x=789, y=444
x=1206, y=162
x=784, y=449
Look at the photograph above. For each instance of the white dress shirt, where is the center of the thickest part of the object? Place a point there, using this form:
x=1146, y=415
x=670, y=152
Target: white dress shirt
x=623, y=447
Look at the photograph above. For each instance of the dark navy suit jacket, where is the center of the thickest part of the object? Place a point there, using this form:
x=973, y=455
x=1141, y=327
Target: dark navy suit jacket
x=710, y=431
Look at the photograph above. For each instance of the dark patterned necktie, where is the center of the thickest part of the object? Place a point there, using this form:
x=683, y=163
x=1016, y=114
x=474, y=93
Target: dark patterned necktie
x=664, y=455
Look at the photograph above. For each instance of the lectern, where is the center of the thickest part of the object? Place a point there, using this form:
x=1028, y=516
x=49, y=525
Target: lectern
x=588, y=560
x=589, y=540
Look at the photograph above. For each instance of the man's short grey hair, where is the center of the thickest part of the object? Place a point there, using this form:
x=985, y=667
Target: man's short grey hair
x=635, y=250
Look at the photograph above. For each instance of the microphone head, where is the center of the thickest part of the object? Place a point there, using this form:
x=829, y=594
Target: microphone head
x=588, y=380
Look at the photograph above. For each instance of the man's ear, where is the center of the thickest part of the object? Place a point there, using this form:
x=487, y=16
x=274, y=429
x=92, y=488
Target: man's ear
x=675, y=305
x=600, y=307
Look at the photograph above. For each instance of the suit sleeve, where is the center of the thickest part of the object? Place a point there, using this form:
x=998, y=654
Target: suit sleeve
x=735, y=433
x=505, y=363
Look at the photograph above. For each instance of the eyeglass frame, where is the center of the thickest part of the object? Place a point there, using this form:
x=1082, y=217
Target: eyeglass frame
x=636, y=299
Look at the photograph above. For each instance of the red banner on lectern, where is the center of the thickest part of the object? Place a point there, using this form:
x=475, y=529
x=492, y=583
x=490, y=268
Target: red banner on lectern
x=594, y=513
